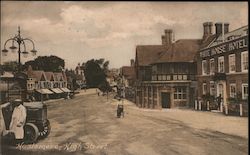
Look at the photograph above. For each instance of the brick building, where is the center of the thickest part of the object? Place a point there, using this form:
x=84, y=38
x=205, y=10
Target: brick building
x=165, y=74
x=222, y=65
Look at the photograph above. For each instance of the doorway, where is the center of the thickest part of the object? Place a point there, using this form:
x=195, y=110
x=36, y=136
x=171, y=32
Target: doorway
x=165, y=100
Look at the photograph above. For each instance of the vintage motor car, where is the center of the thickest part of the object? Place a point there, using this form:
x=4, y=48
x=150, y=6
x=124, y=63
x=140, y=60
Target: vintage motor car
x=37, y=125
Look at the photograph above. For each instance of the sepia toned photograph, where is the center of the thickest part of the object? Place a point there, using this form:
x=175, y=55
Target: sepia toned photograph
x=124, y=78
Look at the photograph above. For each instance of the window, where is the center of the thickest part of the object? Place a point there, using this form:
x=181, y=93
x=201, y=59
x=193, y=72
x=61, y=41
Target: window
x=221, y=64
x=154, y=77
x=180, y=93
x=244, y=91
x=212, y=69
x=179, y=77
x=159, y=77
x=204, y=67
x=244, y=61
x=204, y=88
x=168, y=77
x=212, y=88
x=164, y=77
x=233, y=90
x=174, y=77
x=184, y=77
x=232, y=63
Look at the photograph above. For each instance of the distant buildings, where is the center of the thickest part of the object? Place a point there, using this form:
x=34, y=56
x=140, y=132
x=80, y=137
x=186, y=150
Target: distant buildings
x=80, y=77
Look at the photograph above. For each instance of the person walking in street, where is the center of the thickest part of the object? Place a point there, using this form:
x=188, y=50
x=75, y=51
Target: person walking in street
x=18, y=120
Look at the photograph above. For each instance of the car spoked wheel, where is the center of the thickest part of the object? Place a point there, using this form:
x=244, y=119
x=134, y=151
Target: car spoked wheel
x=30, y=133
x=46, y=130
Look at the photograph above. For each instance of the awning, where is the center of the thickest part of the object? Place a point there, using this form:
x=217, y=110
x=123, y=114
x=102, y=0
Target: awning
x=57, y=90
x=66, y=90
x=44, y=91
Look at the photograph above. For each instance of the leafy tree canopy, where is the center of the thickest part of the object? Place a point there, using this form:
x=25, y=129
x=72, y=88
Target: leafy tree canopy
x=47, y=63
x=95, y=73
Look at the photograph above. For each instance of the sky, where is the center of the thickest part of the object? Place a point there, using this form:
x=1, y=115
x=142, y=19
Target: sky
x=80, y=31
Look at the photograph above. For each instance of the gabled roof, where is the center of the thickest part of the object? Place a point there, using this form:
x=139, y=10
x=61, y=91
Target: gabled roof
x=59, y=76
x=128, y=72
x=50, y=76
x=147, y=54
x=183, y=50
x=39, y=75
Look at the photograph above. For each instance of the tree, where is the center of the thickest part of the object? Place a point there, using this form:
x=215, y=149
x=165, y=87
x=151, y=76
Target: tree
x=10, y=66
x=94, y=74
x=47, y=63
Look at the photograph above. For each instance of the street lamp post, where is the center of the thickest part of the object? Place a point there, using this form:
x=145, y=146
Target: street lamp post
x=20, y=41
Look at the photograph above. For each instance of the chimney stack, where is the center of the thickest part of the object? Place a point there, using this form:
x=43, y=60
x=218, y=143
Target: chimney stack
x=207, y=29
x=218, y=28
x=167, y=39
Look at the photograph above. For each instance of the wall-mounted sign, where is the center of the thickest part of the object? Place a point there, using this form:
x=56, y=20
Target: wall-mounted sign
x=225, y=47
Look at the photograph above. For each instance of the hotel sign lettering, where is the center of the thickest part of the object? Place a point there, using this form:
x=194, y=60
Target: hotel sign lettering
x=226, y=47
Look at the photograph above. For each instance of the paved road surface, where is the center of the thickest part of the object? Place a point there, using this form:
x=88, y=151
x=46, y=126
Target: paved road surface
x=87, y=124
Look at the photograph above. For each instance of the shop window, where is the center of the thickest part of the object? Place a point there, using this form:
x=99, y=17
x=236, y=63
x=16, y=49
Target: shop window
x=232, y=63
x=204, y=67
x=221, y=64
x=233, y=90
x=212, y=88
x=180, y=93
x=244, y=61
x=212, y=69
x=244, y=91
x=204, y=88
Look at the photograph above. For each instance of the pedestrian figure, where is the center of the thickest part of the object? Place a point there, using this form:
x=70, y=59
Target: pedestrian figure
x=120, y=111
x=18, y=120
x=219, y=101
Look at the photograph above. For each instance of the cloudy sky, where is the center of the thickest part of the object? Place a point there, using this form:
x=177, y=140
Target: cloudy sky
x=79, y=31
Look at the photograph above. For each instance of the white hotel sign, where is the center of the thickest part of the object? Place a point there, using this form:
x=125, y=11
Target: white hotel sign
x=225, y=47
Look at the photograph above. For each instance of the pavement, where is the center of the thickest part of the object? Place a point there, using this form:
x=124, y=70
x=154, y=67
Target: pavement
x=87, y=124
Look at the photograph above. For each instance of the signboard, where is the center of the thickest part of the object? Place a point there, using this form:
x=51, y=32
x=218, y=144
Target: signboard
x=225, y=47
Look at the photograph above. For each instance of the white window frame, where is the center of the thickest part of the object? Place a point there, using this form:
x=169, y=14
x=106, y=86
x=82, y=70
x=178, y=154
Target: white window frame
x=232, y=94
x=244, y=96
x=210, y=62
x=180, y=93
x=232, y=63
x=212, y=90
x=204, y=67
x=221, y=59
x=242, y=61
x=204, y=91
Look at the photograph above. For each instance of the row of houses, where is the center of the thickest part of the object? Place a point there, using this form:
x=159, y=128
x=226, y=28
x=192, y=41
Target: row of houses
x=47, y=84
x=34, y=85
x=178, y=73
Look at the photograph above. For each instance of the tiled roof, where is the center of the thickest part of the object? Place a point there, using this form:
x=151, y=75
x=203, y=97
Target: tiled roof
x=147, y=54
x=183, y=50
x=128, y=72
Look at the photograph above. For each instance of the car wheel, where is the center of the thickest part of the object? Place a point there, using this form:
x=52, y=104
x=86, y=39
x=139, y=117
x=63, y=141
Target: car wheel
x=31, y=133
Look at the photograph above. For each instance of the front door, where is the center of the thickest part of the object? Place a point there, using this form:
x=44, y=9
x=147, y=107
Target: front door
x=165, y=100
